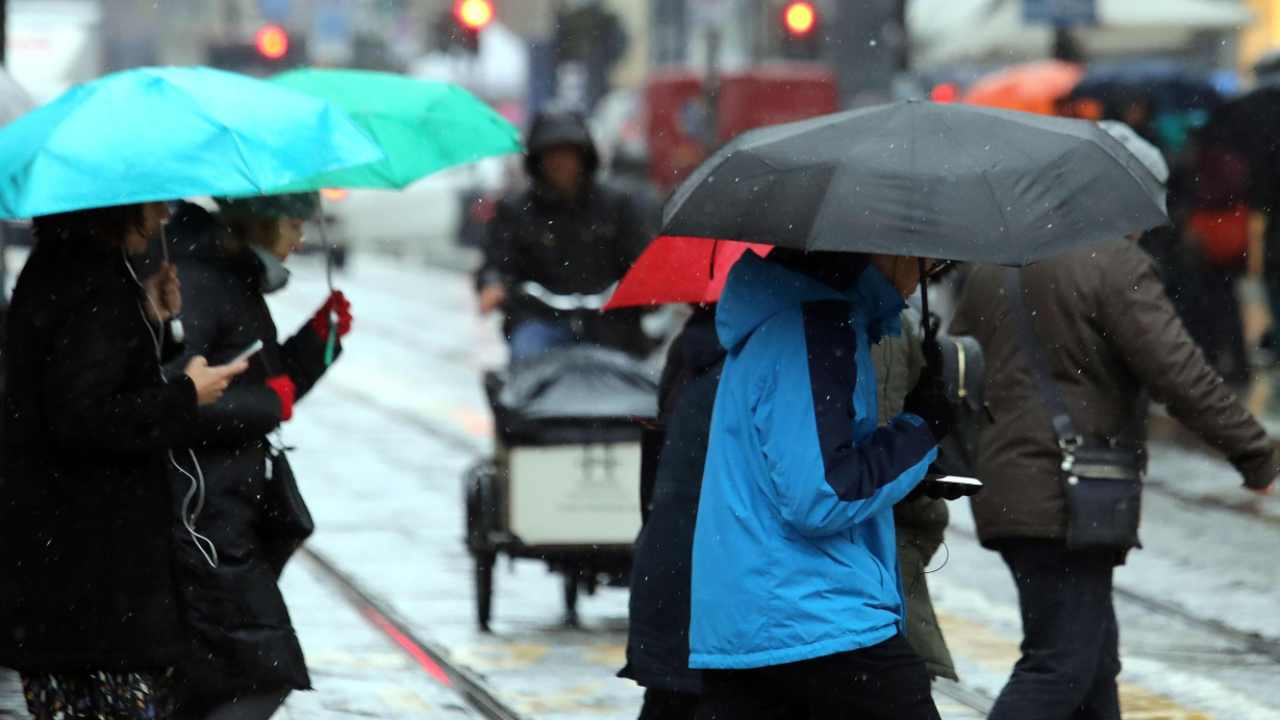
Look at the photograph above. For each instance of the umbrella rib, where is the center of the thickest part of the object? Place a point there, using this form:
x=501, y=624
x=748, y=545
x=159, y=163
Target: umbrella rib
x=226, y=129
x=995, y=200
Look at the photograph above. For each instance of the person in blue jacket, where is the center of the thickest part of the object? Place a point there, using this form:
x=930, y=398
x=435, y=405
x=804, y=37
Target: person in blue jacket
x=797, y=606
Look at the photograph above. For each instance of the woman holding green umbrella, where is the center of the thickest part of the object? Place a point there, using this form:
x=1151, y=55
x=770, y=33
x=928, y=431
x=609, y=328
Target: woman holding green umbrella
x=247, y=655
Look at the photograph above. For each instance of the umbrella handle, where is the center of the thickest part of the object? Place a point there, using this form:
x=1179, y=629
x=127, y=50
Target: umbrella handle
x=925, y=325
x=331, y=343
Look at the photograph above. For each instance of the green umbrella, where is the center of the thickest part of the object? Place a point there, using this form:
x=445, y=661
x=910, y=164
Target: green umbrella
x=422, y=126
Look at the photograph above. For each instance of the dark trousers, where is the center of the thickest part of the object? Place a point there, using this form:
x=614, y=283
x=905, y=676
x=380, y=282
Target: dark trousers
x=1222, y=326
x=1070, y=654
x=884, y=682
x=668, y=705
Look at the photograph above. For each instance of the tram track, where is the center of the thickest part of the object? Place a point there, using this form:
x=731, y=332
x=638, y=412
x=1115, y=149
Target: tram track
x=1256, y=643
x=1251, y=643
x=433, y=659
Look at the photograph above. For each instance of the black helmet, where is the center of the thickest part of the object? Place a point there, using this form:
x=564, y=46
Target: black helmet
x=555, y=128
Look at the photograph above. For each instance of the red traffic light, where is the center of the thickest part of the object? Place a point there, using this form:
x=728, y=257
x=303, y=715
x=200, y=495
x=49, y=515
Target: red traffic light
x=800, y=18
x=945, y=93
x=272, y=42
x=474, y=14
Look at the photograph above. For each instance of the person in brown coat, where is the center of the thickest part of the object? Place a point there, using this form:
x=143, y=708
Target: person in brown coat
x=1110, y=337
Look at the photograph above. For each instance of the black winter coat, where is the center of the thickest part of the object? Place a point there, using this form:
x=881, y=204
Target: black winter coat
x=86, y=511
x=243, y=634
x=658, y=640
x=568, y=248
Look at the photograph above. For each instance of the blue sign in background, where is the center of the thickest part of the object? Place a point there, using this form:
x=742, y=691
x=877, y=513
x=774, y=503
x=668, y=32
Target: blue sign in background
x=1061, y=13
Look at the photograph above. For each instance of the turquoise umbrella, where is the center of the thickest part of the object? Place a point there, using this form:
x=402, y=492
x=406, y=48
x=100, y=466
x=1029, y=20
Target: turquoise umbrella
x=423, y=126
x=163, y=133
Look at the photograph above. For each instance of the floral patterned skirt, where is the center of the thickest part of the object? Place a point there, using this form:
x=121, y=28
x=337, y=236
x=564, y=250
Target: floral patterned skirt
x=99, y=696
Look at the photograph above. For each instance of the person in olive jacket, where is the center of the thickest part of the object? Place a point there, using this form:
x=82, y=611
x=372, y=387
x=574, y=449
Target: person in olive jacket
x=570, y=234
x=90, y=611
x=246, y=651
x=1110, y=335
x=920, y=521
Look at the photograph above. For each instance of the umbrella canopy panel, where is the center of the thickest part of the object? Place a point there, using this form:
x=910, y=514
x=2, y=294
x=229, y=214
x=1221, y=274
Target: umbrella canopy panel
x=163, y=133
x=921, y=179
x=423, y=126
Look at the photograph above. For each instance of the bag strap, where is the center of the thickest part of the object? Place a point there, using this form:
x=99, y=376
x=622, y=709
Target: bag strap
x=1050, y=393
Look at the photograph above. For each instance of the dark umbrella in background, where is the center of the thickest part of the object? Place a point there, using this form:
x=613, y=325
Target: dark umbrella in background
x=921, y=179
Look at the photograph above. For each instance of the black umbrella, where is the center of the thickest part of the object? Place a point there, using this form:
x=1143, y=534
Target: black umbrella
x=922, y=179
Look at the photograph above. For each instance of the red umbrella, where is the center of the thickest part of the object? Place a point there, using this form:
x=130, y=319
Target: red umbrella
x=680, y=270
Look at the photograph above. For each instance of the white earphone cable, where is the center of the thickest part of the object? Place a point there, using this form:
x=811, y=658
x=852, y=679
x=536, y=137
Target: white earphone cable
x=196, y=492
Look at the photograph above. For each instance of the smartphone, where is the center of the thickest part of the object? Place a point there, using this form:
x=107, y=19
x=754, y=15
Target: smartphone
x=950, y=487
x=254, y=348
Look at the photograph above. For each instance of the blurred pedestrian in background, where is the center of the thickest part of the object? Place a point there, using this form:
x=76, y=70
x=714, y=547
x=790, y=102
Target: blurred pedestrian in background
x=247, y=656
x=1077, y=342
x=920, y=522
x=91, y=610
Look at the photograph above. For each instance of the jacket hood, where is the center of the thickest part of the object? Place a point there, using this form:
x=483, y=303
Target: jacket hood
x=553, y=129
x=758, y=289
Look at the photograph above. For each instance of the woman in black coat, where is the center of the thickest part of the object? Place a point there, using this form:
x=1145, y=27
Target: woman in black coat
x=658, y=639
x=247, y=655
x=89, y=611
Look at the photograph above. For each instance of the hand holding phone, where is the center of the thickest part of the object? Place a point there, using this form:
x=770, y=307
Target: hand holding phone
x=946, y=487
x=211, y=381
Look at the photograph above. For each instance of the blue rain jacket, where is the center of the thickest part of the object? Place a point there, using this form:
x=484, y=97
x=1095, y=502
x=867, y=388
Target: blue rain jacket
x=794, y=554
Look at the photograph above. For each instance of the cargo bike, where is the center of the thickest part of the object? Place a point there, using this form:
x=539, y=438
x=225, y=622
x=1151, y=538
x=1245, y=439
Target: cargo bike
x=562, y=485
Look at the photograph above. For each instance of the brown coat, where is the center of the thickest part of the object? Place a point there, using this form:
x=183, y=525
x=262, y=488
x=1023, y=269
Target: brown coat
x=1109, y=333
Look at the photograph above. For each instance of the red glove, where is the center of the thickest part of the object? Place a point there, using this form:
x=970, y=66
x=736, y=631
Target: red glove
x=337, y=303
x=284, y=388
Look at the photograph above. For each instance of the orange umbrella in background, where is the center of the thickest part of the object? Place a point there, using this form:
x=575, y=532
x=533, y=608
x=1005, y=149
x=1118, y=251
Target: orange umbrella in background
x=1031, y=87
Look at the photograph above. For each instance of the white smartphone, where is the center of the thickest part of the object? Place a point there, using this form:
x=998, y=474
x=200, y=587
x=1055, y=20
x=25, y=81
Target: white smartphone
x=254, y=348
x=956, y=480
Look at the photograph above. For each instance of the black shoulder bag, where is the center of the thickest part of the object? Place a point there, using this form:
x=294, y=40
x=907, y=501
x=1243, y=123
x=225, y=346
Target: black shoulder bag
x=1102, y=483
x=286, y=520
